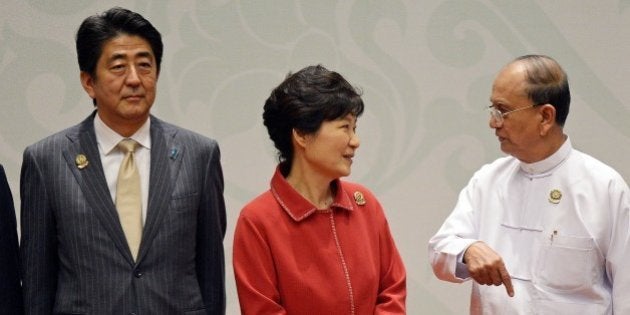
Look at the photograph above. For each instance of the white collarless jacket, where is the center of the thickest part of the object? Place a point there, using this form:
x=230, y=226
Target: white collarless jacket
x=562, y=227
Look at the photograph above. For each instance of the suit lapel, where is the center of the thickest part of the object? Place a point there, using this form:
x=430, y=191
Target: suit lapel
x=92, y=182
x=166, y=157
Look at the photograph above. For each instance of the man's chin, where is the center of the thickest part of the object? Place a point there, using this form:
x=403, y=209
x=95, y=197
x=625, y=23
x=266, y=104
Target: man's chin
x=505, y=148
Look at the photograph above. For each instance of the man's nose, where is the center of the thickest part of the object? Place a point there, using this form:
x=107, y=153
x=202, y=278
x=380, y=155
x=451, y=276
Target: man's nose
x=494, y=123
x=132, y=77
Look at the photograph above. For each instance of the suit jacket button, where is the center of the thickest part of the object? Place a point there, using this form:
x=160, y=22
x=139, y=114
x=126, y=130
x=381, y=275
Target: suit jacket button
x=138, y=274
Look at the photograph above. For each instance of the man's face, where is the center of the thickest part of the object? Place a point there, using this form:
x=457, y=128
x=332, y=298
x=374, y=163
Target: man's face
x=519, y=134
x=124, y=83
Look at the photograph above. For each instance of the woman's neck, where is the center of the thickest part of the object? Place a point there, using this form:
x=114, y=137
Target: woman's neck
x=312, y=186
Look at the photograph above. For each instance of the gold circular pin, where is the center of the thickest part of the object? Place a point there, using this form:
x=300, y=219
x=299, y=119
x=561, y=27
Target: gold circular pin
x=81, y=161
x=554, y=196
x=358, y=198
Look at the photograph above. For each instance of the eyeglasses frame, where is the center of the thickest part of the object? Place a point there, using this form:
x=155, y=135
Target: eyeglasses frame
x=499, y=117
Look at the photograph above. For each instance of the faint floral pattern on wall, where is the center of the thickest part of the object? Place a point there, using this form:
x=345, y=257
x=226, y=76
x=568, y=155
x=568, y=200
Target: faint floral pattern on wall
x=425, y=69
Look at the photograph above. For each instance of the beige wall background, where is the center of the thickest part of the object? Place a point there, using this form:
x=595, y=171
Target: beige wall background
x=425, y=67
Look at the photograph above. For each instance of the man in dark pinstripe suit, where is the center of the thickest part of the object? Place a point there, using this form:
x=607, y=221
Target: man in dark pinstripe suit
x=10, y=292
x=75, y=256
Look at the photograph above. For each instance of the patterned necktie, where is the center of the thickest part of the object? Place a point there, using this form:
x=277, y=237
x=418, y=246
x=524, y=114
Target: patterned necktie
x=128, y=197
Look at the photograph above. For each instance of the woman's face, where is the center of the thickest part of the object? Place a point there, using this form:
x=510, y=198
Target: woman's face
x=330, y=150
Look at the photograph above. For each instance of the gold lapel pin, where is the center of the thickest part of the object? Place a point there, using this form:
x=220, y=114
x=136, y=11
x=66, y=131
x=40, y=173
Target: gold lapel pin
x=554, y=196
x=358, y=198
x=81, y=161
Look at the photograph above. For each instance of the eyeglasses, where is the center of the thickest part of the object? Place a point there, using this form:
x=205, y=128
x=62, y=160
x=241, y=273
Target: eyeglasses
x=499, y=115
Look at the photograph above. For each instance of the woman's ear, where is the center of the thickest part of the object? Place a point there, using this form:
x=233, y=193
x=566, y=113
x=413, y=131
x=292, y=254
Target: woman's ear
x=299, y=138
x=548, y=118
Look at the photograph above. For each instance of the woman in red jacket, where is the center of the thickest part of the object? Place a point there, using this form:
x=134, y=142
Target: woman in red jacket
x=313, y=244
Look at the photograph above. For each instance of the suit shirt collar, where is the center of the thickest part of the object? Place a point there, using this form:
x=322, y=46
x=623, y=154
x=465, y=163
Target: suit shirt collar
x=549, y=164
x=298, y=207
x=108, y=139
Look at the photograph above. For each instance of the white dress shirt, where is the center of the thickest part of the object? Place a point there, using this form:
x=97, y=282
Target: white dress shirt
x=111, y=157
x=562, y=227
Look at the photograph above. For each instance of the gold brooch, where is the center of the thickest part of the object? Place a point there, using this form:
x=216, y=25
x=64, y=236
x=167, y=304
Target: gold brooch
x=358, y=198
x=81, y=161
x=554, y=196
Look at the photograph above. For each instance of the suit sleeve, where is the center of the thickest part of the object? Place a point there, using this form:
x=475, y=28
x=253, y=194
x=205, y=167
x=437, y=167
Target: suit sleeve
x=618, y=254
x=254, y=270
x=10, y=290
x=38, y=249
x=211, y=227
x=392, y=287
x=458, y=232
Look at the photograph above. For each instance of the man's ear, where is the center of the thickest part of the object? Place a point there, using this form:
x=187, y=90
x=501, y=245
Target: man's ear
x=87, y=81
x=548, y=118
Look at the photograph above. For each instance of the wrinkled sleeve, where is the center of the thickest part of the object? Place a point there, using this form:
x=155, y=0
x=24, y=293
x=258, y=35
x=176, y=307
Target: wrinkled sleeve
x=458, y=231
x=619, y=251
x=210, y=255
x=38, y=248
x=392, y=287
x=254, y=270
x=10, y=290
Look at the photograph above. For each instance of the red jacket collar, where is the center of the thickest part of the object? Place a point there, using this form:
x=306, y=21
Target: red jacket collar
x=296, y=206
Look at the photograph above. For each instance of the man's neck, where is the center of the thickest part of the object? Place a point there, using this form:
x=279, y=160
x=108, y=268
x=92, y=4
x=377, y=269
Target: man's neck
x=549, y=145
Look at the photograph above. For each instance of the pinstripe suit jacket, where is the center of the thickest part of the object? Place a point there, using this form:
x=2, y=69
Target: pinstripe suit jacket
x=10, y=292
x=74, y=255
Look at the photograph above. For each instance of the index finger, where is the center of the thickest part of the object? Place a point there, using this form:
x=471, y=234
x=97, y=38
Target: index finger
x=507, y=281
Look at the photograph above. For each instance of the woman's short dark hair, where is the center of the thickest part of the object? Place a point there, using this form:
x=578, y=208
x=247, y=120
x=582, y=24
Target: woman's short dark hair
x=98, y=29
x=303, y=101
x=547, y=83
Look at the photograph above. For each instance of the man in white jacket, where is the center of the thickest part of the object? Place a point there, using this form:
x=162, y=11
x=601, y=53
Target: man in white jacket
x=545, y=230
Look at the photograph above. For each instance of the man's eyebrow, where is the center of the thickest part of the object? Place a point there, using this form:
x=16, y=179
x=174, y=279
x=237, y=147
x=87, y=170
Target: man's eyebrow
x=118, y=56
x=146, y=54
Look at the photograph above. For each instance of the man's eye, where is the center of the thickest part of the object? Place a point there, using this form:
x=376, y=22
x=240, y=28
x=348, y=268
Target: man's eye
x=501, y=110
